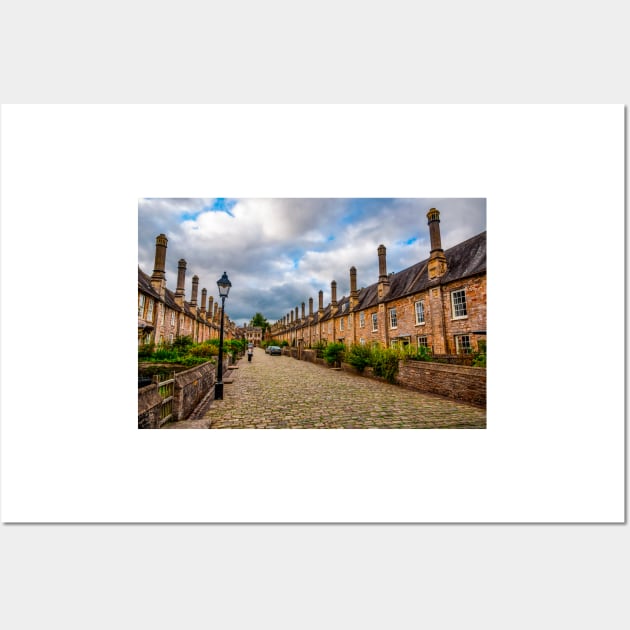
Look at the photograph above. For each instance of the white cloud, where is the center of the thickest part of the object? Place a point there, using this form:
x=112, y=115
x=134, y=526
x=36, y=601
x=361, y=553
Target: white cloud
x=280, y=252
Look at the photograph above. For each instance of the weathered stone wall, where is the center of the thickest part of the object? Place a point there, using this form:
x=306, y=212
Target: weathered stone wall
x=149, y=405
x=459, y=382
x=190, y=387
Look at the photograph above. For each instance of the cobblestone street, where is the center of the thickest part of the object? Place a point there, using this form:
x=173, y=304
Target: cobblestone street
x=278, y=392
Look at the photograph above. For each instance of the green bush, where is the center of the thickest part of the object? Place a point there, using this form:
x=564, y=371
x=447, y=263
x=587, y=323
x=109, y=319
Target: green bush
x=359, y=356
x=385, y=363
x=319, y=348
x=334, y=352
x=146, y=350
x=165, y=354
x=419, y=353
x=204, y=349
x=182, y=343
x=479, y=357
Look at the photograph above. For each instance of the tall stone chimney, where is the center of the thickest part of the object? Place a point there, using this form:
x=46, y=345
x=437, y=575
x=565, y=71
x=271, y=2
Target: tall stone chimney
x=383, y=278
x=181, y=278
x=204, y=296
x=437, y=260
x=158, y=279
x=310, y=309
x=303, y=311
x=354, y=294
x=333, y=296
x=320, y=308
x=195, y=289
x=291, y=316
x=216, y=312
x=210, y=307
x=297, y=318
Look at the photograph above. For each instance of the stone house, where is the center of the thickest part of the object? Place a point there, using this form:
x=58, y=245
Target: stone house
x=164, y=315
x=439, y=303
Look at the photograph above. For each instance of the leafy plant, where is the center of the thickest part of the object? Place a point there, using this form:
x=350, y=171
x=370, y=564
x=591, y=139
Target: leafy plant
x=146, y=350
x=333, y=353
x=420, y=353
x=359, y=356
x=385, y=363
x=182, y=343
x=479, y=357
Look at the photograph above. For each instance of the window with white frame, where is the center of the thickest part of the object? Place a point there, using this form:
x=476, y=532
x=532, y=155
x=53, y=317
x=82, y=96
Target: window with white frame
x=141, y=301
x=341, y=323
x=362, y=341
x=420, y=312
x=374, y=322
x=362, y=319
x=458, y=303
x=393, y=320
x=172, y=318
x=422, y=341
x=462, y=344
x=150, y=311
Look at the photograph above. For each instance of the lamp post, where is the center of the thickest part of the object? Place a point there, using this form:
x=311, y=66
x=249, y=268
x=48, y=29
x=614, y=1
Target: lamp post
x=224, y=288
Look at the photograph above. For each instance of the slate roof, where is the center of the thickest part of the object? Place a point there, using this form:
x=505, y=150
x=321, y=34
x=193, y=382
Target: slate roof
x=144, y=284
x=464, y=260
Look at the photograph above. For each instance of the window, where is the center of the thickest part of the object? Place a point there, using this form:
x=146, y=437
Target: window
x=458, y=301
x=374, y=322
x=420, y=312
x=362, y=341
x=150, y=311
x=141, y=300
x=393, y=321
x=341, y=323
x=362, y=319
x=172, y=318
x=422, y=341
x=344, y=306
x=462, y=344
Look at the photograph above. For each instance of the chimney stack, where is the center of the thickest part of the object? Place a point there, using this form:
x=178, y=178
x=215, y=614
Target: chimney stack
x=210, y=307
x=321, y=303
x=204, y=296
x=383, y=278
x=310, y=309
x=354, y=294
x=158, y=279
x=181, y=277
x=437, y=260
x=303, y=312
x=333, y=295
x=195, y=289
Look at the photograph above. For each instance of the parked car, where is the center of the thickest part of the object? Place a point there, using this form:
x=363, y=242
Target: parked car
x=274, y=350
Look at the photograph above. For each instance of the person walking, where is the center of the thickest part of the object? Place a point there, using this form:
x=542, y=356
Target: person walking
x=250, y=353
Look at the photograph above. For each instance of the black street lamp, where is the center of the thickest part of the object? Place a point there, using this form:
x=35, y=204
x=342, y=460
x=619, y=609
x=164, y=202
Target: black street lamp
x=224, y=288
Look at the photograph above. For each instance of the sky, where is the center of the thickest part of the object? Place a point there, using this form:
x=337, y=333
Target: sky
x=279, y=253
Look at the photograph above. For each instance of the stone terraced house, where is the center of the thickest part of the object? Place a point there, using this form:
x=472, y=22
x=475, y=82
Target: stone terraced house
x=164, y=315
x=439, y=303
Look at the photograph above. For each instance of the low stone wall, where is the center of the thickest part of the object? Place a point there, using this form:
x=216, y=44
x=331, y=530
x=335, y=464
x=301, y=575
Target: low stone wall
x=309, y=355
x=191, y=386
x=149, y=405
x=459, y=382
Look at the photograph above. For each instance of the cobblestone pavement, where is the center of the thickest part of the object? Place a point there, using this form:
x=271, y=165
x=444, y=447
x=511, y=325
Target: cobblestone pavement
x=277, y=392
